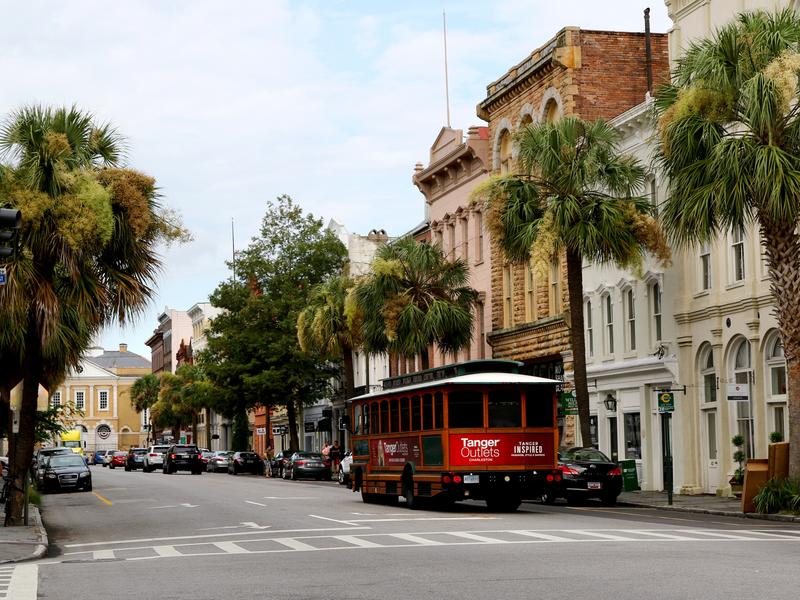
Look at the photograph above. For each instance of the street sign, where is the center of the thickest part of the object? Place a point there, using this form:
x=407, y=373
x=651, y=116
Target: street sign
x=738, y=392
x=666, y=402
x=567, y=404
x=2, y=275
x=276, y=430
x=261, y=430
x=309, y=427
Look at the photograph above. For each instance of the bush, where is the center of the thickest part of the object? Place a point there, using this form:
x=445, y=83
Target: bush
x=778, y=495
x=776, y=437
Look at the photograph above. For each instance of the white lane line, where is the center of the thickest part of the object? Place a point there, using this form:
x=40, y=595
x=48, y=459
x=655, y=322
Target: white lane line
x=294, y=544
x=103, y=554
x=415, y=539
x=476, y=538
x=777, y=535
x=254, y=525
x=544, y=537
x=356, y=541
x=719, y=534
x=603, y=536
x=231, y=548
x=334, y=520
x=256, y=503
x=208, y=535
x=24, y=583
x=290, y=497
x=166, y=551
x=425, y=519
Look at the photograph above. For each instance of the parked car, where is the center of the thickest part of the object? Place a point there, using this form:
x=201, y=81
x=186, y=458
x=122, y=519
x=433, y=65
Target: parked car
x=154, y=458
x=118, y=459
x=245, y=462
x=182, y=457
x=43, y=453
x=135, y=459
x=107, y=457
x=205, y=455
x=585, y=473
x=344, y=468
x=99, y=457
x=277, y=465
x=308, y=465
x=218, y=461
x=62, y=472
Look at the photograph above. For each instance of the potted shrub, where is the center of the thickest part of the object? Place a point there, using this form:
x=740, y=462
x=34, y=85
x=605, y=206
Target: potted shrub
x=775, y=437
x=737, y=480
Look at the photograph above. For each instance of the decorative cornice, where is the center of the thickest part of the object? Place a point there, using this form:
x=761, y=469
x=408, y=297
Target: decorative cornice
x=541, y=326
x=720, y=310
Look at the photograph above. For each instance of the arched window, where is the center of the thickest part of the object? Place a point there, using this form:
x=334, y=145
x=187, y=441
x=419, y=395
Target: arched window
x=608, y=323
x=708, y=375
x=741, y=375
x=776, y=385
x=505, y=152
x=551, y=112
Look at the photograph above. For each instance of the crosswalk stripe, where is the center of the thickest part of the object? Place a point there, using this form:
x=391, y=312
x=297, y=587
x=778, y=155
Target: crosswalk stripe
x=408, y=537
x=166, y=551
x=545, y=537
x=781, y=535
x=24, y=583
x=718, y=534
x=664, y=536
x=476, y=538
x=102, y=554
x=357, y=541
x=231, y=548
x=294, y=544
x=603, y=536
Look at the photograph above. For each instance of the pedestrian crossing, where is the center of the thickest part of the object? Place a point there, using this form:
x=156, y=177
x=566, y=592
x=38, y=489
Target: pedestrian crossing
x=18, y=582
x=5, y=581
x=271, y=544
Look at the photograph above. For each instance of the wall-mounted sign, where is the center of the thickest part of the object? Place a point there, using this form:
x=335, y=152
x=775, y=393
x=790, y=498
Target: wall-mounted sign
x=309, y=427
x=261, y=430
x=567, y=404
x=738, y=392
x=666, y=402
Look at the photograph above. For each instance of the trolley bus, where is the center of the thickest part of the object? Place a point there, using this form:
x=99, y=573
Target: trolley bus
x=472, y=430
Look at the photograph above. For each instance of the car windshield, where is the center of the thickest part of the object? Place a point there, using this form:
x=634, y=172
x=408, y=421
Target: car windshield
x=584, y=454
x=223, y=453
x=66, y=461
x=185, y=449
x=53, y=451
x=160, y=449
x=248, y=455
x=120, y=453
x=139, y=451
x=311, y=455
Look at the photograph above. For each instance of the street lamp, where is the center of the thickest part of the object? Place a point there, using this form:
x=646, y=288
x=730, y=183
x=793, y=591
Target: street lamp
x=610, y=403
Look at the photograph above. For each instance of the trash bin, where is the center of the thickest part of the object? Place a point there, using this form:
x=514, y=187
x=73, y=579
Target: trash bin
x=630, y=479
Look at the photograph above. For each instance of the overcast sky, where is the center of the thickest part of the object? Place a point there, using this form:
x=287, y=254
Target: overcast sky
x=229, y=104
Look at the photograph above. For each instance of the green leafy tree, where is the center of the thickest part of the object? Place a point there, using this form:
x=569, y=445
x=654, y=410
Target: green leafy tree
x=573, y=194
x=144, y=394
x=323, y=327
x=181, y=397
x=413, y=298
x=87, y=254
x=253, y=355
x=729, y=133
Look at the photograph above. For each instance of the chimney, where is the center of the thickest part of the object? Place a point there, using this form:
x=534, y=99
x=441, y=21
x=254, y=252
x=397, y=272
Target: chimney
x=123, y=347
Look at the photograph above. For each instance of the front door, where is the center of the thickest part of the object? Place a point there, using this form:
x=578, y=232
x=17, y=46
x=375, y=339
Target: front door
x=613, y=444
x=710, y=451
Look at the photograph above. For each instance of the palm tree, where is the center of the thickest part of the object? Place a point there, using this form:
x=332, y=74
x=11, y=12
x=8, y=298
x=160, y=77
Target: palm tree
x=574, y=194
x=144, y=394
x=87, y=253
x=323, y=326
x=413, y=298
x=729, y=133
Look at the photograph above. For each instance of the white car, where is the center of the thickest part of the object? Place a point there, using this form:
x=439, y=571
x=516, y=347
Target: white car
x=154, y=459
x=344, y=468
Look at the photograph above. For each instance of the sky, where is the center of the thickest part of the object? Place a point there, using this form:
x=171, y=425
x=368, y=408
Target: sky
x=230, y=104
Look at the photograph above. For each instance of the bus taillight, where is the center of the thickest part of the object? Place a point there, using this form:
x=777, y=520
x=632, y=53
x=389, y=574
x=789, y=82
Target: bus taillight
x=446, y=479
x=456, y=478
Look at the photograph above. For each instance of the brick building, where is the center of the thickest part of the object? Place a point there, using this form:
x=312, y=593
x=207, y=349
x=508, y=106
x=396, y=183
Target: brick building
x=588, y=74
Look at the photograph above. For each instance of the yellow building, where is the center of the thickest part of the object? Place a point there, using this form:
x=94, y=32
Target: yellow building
x=100, y=389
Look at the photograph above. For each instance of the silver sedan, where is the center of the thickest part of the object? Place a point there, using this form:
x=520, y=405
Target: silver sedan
x=219, y=461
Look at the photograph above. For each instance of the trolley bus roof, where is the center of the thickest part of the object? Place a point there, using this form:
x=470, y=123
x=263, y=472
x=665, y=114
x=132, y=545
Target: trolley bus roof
x=470, y=379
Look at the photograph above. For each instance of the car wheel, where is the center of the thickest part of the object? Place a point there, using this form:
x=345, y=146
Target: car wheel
x=340, y=477
x=294, y=475
x=88, y=488
x=110, y=466
x=609, y=499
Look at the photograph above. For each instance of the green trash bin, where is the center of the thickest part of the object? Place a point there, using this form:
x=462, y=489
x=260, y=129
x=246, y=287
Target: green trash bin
x=630, y=480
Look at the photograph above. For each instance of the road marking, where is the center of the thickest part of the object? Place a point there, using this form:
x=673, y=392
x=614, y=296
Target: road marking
x=424, y=519
x=476, y=538
x=290, y=497
x=415, y=539
x=630, y=514
x=294, y=544
x=666, y=536
x=102, y=554
x=334, y=520
x=230, y=548
x=106, y=500
x=718, y=534
x=777, y=535
x=166, y=551
x=604, y=536
x=24, y=583
x=253, y=525
x=357, y=541
x=544, y=537
x=256, y=503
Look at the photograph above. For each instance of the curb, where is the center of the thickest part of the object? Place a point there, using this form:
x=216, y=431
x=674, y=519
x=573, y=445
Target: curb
x=36, y=523
x=711, y=511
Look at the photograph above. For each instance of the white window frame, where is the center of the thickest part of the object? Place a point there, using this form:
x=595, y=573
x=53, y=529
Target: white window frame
x=629, y=308
x=705, y=267
x=465, y=239
x=100, y=400
x=708, y=370
x=555, y=288
x=80, y=400
x=738, y=262
x=657, y=311
x=589, y=330
x=743, y=413
x=479, y=237
x=607, y=304
x=55, y=400
x=776, y=403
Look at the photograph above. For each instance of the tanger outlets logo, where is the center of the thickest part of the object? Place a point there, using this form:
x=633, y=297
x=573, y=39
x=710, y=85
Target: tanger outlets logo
x=479, y=449
x=395, y=448
x=527, y=449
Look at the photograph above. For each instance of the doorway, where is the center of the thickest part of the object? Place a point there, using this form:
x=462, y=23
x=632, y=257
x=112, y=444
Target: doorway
x=612, y=436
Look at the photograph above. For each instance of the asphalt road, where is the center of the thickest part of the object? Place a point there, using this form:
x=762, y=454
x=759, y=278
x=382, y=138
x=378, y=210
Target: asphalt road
x=215, y=536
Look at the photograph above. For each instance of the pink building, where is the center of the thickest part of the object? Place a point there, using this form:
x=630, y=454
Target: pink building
x=456, y=167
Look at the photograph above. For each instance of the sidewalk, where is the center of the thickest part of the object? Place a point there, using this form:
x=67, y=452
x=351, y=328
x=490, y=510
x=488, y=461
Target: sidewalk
x=703, y=503
x=23, y=542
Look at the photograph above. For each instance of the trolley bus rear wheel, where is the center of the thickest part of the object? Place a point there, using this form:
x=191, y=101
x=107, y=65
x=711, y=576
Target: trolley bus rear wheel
x=408, y=493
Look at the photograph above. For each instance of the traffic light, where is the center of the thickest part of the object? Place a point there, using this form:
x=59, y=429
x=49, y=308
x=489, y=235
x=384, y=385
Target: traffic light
x=10, y=220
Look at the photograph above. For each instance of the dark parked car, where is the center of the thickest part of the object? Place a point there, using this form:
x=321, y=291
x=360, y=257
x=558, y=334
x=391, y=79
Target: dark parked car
x=308, y=465
x=42, y=453
x=585, y=473
x=277, y=465
x=135, y=459
x=245, y=462
x=183, y=457
x=63, y=472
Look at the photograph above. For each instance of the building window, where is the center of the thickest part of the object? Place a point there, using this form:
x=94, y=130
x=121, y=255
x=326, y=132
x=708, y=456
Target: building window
x=708, y=375
x=555, y=287
x=80, y=400
x=741, y=374
x=55, y=400
x=440, y=240
x=630, y=319
x=505, y=153
x=633, y=435
x=589, y=330
x=479, y=237
x=103, y=400
x=465, y=240
x=608, y=318
x=479, y=316
x=530, y=293
x=705, y=267
x=737, y=254
x=656, y=293
x=508, y=292
x=451, y=240
x=776, y=382
x=551, y=111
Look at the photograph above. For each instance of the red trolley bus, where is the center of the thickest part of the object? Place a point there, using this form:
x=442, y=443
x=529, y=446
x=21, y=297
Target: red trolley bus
x=473, y=430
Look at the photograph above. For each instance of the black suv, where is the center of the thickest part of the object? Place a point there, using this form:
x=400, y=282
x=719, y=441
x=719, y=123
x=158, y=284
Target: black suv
x=183, y=457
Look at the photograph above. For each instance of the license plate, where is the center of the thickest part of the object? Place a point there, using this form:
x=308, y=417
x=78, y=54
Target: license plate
x=472, y=478
x=595, y=485
x=313, y=465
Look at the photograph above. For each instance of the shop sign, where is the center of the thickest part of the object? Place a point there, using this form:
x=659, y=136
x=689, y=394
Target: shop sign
x=394, y=451
x=261, y=430
x=567, y=404
x=738, y=392
x=280, y=429
x=474, y=449
x=309, y=427
x=666, y=402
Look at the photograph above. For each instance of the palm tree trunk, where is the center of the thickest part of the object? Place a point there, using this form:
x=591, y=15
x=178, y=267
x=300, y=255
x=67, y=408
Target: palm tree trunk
x=291, y=414
x=783, y=255
x=576, y=335
x=349, y=372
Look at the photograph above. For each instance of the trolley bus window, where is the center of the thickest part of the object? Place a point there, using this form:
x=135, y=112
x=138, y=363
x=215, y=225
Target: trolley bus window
x=415, y=414
x=384, y=416
x=432, y=450
x=374, y=418
x=539, y=405
x=357, y=420
x=427, y=412
x=465, y=408
x=394, y=425
x=505, y=408
x=438, y=410
x=404, y=413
